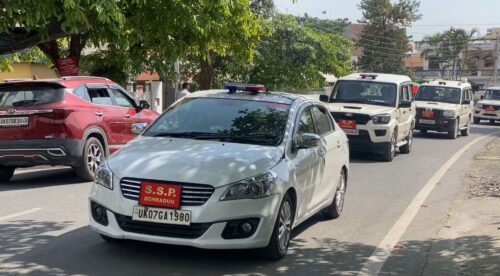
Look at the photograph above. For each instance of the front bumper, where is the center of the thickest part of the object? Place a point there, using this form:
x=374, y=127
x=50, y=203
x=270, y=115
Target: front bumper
x=487, y=115
x=371, y=138
x=208, y=220
x=28, y=153
x=440, y=124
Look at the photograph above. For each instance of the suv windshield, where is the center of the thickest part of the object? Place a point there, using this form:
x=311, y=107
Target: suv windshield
x=24, y=95
x=438, y=94
x=364, y=92
x=492, y=95
x=231, y=120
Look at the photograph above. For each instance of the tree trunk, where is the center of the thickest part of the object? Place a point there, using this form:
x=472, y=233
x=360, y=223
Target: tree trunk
x=206, y=74
x=50, y=49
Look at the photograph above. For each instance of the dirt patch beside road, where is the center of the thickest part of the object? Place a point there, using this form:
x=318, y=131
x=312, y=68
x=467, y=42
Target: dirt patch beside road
x=483, y=176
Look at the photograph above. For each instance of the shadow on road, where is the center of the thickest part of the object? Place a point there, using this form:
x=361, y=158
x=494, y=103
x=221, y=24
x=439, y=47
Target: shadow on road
x=41, y=178
x=26, y=248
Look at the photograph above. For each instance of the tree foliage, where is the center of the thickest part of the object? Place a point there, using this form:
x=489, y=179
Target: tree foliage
x=384, y=39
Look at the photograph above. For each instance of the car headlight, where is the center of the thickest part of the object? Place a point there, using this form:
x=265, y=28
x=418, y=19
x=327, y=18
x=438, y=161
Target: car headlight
x=448, y=113
x=251, y=188
x=479, y=105
x=381, y=119
x=104, y=176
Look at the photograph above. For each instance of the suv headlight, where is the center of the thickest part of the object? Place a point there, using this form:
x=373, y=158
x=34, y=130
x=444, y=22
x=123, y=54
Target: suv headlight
x=104, y=176
x=381, y=119
x=252, y=188
x=479, y=105
x=448, y=113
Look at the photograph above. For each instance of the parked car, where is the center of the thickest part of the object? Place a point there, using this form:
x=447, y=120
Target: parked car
x=488, y=108
x=71, y=121
x=445, y=106
x=376, y=111
x=225, y=169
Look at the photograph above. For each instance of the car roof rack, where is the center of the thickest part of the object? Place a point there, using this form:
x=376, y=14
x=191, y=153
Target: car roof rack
x=82, y=77
x=372, y=76
x=254, y=88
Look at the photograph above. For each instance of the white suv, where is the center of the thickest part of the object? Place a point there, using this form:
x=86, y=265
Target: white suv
x=488, y=108
x=376, y=111
x=444, y=106
x=224, y=169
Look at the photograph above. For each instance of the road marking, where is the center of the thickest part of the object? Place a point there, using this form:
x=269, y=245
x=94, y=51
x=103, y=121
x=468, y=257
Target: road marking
x=376, y=261
x=20, y=214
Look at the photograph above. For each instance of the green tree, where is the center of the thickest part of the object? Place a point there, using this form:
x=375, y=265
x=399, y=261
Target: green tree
x=43, y=23
x=384, y=39
x=293, y=57
x=447, y=48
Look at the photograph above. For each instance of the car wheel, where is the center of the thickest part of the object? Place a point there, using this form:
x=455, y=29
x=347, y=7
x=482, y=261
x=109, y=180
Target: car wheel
x=390, y=150
x=6, y=173
x=492, y=122
x=335, y=209
x=477, y=121
x=92, y=157
x=466, y=130
x=280, y=238
x=406, y=148
x=453, y=134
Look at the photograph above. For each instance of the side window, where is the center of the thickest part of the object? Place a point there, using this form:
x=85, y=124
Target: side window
x=81, y=91
x=404, y=93
x=121, y=98
x=409, y=92
x=323, y=122
x=306, y=124
x=99, y=96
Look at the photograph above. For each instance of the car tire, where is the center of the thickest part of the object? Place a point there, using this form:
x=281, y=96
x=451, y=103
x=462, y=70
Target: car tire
x=477, y=121
x=406, y=148
x=453, y=134
x=6, y=173
x=466, y=130
x=278, y=245
x=93, y=155
x=335, y=209
x=390, y=150
x=109, y=239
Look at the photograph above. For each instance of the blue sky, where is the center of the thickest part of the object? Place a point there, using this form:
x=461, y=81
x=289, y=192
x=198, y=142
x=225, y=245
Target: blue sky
x=437, y=15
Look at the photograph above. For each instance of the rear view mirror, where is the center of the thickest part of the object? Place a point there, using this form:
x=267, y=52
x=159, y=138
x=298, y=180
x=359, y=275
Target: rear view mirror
x=138, y=128
x=324, y=98
x=308, y=140
x=482, y=97
x=466, y=102
x=143, y=105
x=405, y=104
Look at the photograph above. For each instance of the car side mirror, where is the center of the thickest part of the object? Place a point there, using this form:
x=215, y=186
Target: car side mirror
x=324, y=98
x=138, y=128
x=482, y=97
x=143, y=105
x=308, y=140
x=405, y=104
x=466, y=102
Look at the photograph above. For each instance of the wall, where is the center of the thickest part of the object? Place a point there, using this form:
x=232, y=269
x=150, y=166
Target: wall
x=27, y=70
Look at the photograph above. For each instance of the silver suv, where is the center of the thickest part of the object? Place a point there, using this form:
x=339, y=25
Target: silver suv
x=376, y=111
x=488, y=108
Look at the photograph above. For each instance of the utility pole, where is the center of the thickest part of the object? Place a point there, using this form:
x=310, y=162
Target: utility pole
x=496, y=61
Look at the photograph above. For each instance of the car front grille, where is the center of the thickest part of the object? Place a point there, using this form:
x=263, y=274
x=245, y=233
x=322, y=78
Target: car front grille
x=361, y=119
x=192, y=194
x=437, y=113
x=193, y=231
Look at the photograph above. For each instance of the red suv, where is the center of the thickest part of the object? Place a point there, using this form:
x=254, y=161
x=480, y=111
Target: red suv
x=72, y=121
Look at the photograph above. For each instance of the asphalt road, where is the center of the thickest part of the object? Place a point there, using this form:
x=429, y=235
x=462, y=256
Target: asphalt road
x=44, y=224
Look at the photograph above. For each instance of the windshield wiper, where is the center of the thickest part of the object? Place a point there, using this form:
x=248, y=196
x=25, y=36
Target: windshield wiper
x=23, y=102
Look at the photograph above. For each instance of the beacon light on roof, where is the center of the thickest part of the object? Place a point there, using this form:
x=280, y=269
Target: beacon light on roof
x=255, y=88
x=371, y=76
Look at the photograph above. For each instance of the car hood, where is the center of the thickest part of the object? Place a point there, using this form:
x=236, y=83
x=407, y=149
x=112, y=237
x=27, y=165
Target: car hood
x=489, y=102
x=192, y=161
x=436, y=105
x=359, y=108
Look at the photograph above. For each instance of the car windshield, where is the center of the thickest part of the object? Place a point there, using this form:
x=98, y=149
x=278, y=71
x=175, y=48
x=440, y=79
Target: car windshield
x=438, y=94
x=365, y=92
x=492, y=95
x=231, y=120
x=20, y=95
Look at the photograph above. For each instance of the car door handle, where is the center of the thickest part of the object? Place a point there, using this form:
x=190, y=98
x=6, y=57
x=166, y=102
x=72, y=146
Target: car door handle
x=339, y=144
x=99, y=114
x=127, y=116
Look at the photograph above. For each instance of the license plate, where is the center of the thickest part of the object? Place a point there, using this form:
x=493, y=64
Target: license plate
x=427, y=114
x=14, y=121
x=489, y=108
x=347, y=124
x=430, y=122
x=160, y=215
x=160, y=195
x=351, y=131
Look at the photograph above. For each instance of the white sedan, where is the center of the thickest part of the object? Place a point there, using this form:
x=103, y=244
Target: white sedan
x=224, y=169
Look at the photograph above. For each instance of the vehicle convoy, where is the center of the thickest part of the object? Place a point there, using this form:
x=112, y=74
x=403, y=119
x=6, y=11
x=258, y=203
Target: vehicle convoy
x=225, y=169
x=444, y=106
x=71, y=121
x=488, y=108
x=376, y=111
